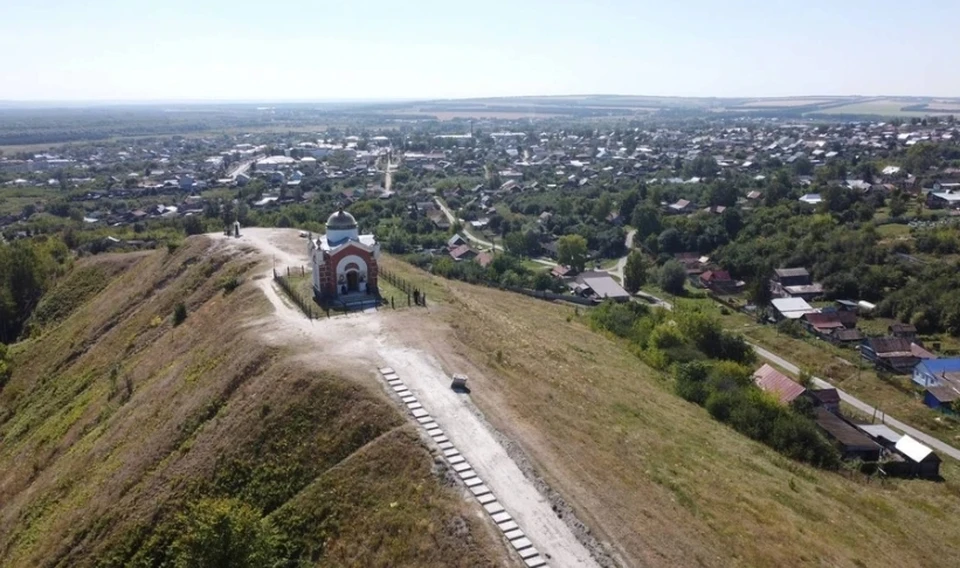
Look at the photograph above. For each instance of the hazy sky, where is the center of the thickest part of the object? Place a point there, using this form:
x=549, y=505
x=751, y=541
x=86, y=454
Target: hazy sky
x=377, y=49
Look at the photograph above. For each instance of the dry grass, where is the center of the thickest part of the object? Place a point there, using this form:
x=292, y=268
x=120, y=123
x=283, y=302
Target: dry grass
x=115, y=420
x=656, y=476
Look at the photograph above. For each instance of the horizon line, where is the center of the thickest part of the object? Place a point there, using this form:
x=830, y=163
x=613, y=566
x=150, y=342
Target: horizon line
x=24, y=103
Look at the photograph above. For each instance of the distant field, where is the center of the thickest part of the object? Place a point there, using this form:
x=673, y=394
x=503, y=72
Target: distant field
x=944, y=106
x=451, y=115
x=884, y=107
x=779, y=103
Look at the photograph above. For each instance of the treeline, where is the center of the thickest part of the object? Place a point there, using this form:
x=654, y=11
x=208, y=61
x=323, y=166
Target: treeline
x=712, y=367
x=503, y=270
x=663, y=338
x=27, y=269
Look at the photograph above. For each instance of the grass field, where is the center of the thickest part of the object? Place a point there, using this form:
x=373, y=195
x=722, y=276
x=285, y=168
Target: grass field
x=893, y=231
x=656, y=475
x=13, y=200
x=116, y=423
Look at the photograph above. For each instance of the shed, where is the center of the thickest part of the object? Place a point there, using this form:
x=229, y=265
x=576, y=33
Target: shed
x=852, y=443
x=919, y=459
x=941, y=397
x=827, y=398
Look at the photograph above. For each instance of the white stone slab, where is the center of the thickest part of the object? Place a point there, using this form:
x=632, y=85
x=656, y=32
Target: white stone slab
x=434, y=432
x=424, y=419
x=441, y=438
x=494, y=508
x=529, y=552
x=391, y=376
x=456, y=460
x=431, y=425
x=386, y=370
x=480, y=489
x=449, y=453
x=461, y=466
x=504, y=521
x=409, y=398
x=467, y=473
x=535, y=562
x=486, y=498
x=414, y=405
x=521, y=543
x=420, y=413
x=400, y=388
x=445, y=445
x=472, y=481
x=514, y=534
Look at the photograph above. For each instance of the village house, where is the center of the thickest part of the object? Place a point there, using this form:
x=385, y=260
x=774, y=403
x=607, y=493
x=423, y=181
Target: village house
x=790, y=308
x=681, y=206
x=943, y=200
x=463, y=252
x=601, y=286
x=785, y=389
x=891, y=353
x=937, y=372
x=794, y=283
x=719, y=281
x=904, y=330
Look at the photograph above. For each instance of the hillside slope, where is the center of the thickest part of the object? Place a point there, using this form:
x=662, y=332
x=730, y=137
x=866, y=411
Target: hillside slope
x=124, y=438
x=653, y=476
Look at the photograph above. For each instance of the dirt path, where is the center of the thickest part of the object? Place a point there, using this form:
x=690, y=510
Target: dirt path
x=322, y=342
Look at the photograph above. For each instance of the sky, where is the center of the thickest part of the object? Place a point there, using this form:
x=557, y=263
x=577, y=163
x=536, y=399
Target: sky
x=257, y=50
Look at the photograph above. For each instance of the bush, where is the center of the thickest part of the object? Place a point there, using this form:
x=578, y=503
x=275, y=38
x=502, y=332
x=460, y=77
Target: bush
x=223, y=533
x=179, y=314
x=230, y=284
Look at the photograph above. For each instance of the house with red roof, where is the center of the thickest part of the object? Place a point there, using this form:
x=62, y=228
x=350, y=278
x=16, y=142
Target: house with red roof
x=785, y=389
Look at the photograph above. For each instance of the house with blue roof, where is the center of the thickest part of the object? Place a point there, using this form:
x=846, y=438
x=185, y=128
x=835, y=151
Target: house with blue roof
x=937, y=372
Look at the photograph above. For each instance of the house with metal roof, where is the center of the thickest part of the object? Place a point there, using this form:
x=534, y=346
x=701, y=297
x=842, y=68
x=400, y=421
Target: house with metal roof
x=785, y=389
x=791, y=308
x=852, y=443
x=890, y=353
x=937, y=372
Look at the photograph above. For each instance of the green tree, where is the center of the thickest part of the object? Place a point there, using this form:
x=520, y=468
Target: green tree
x=635, y=272
x=628, y=204
x=646, y=219
x=672, y=277
x=898, y=205
x=572, y=251
x=223, y=533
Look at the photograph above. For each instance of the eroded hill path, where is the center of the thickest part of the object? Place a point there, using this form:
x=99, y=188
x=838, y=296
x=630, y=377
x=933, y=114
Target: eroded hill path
x=360, y=343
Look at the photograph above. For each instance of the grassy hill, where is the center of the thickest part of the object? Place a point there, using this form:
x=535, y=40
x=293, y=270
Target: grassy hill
x=655, y=476
x=128, y=441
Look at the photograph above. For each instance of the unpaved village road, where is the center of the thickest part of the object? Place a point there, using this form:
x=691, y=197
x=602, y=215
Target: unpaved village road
x=362, y=343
